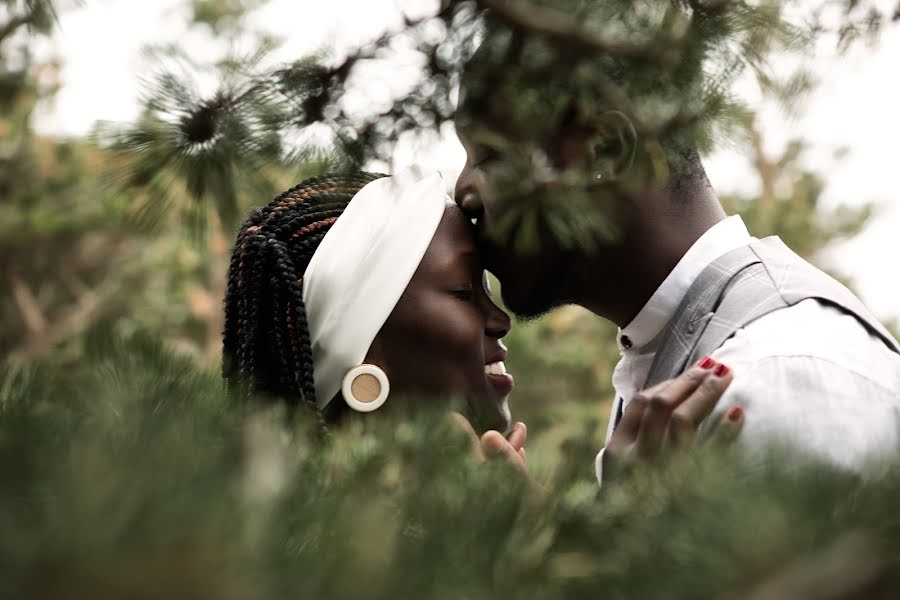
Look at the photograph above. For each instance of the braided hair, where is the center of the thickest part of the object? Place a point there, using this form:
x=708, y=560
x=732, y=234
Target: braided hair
x=266, y=338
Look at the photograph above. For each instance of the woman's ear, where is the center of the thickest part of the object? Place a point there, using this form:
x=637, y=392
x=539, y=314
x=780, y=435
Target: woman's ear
x=377, y=355
x=366, y=387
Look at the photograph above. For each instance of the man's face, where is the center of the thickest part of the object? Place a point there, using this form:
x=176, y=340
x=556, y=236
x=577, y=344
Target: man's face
x=532, y=174
x=513, y=237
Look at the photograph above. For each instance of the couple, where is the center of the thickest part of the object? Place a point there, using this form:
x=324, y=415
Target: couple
x=350, y=292
x=358, y=292
x=353, y=292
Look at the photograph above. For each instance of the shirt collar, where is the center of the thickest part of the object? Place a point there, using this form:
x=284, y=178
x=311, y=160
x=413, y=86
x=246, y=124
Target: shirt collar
x=721, y=238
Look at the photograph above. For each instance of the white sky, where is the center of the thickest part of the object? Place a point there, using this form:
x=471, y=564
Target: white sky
x=854, y=107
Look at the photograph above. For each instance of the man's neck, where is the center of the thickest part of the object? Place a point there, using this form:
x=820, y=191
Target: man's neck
x=618, y=283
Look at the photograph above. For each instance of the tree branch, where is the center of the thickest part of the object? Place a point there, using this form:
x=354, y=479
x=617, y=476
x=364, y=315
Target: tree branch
x=67, y=326
x=559, y=28
x=28, y=306
x=11, y=26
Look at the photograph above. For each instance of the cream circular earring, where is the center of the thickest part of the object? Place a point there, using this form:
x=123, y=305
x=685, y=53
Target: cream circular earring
x=365, y=388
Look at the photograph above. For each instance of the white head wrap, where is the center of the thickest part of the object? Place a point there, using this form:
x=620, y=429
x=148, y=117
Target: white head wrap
x=363, y=265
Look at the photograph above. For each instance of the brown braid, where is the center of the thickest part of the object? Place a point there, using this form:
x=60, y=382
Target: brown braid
x=266, y=338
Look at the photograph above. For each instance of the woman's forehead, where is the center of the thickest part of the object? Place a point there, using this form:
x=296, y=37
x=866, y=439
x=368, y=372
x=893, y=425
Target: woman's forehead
x=453, y=241
x=455, y=228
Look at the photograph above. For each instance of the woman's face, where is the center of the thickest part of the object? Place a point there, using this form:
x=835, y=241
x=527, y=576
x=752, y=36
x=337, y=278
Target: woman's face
x=443, y=337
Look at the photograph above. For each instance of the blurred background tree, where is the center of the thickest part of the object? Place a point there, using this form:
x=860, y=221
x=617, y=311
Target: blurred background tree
x=61, y=231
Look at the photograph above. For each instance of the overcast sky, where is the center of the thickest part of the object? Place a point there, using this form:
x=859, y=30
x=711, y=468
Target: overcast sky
x=855, y=107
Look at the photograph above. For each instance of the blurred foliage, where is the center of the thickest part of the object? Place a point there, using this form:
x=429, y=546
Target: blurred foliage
x=58, y=228
x=139, y=478
x=664, y=68
x=74, y=250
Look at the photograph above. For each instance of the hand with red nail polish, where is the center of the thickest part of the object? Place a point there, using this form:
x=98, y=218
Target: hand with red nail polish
x=668, y=415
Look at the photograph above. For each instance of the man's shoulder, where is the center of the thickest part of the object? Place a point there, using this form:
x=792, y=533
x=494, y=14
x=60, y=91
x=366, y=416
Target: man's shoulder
x=812, y=335
x=781, y=280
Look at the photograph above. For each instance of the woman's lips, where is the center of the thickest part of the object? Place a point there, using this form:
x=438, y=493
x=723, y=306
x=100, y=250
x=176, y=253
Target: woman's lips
x=501, y=381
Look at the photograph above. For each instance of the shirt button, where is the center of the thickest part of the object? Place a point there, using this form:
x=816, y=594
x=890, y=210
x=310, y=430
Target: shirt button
x=626, y=342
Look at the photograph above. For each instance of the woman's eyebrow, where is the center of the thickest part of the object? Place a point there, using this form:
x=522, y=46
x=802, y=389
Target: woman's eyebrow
x=467, y=258
x=470, y=256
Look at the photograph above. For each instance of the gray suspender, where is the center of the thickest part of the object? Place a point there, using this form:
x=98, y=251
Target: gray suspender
x=696, y=314
x=740, y=287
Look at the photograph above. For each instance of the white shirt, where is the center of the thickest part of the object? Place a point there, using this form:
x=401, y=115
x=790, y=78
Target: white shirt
x=808, y=376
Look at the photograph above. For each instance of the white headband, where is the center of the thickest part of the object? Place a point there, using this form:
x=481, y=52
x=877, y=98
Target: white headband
x=363, y=265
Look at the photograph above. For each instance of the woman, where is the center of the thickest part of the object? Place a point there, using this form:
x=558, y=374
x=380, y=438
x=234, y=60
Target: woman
x=353, y=292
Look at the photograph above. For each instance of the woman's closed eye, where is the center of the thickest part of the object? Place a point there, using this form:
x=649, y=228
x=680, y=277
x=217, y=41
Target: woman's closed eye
x=466, y=294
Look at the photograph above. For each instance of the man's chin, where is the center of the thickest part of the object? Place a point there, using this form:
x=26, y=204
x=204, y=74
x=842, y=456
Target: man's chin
x=519, y=294
x=524, y=307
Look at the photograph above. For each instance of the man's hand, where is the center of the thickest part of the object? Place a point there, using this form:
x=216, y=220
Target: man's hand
x=668, y=415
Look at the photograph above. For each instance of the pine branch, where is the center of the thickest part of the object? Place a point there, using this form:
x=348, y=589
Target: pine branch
x=13, y=25
x=566, y=32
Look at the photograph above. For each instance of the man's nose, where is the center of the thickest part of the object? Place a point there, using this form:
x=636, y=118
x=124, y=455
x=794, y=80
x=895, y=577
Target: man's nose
x=464, y=185
x=467, y=192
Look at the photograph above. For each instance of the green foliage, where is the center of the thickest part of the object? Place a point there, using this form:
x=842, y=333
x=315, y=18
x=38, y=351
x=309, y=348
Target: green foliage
x=189, y=147
x=62, y=238
x=135, y=476
x=38, y=16
x=222, y=16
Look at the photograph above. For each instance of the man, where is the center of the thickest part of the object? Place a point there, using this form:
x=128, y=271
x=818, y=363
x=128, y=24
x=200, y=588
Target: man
x=813, y=369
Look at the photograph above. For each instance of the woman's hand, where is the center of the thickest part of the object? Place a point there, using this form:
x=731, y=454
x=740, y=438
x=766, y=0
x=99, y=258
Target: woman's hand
x=494, y=445
x=666, y=417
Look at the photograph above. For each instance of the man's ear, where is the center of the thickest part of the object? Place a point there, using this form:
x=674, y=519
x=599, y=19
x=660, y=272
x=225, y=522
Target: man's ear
x=603, y=145
x=613, y=143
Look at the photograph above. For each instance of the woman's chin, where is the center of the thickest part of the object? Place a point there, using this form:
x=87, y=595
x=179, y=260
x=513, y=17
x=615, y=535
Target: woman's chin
x=505, y=418
x=493, y=415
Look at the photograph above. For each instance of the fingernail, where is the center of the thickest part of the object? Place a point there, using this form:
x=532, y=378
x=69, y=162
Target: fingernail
x=492, y=448
x=721, y=371
x=706, y=363
x=735, y=413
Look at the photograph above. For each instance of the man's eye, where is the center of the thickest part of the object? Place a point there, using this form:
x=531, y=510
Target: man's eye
x=488, y=155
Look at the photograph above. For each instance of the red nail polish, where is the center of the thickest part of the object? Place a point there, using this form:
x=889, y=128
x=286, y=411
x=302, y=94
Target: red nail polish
x=706, y=363
x=721, y=371
x=735, y=413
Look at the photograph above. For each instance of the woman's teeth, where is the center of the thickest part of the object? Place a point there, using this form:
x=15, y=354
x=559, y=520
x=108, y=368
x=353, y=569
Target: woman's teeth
x=496, y=368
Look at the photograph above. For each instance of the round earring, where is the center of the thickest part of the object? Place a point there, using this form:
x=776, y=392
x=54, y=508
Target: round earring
x=365, y=388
